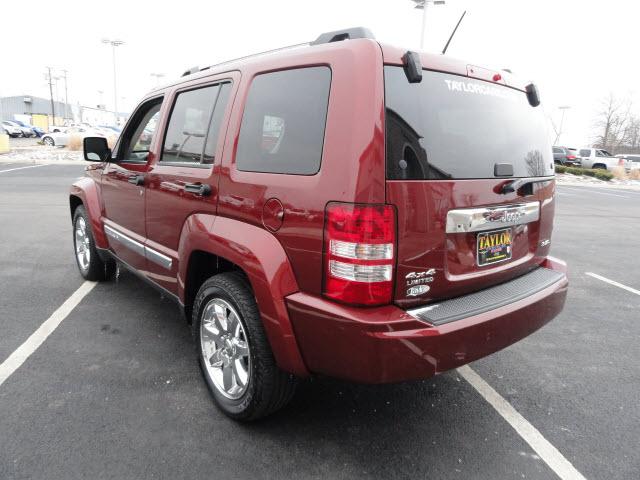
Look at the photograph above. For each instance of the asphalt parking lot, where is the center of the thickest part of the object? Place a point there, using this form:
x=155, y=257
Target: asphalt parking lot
x=115, y=391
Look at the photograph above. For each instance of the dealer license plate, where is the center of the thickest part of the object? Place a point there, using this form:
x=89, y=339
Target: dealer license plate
x=494, y=247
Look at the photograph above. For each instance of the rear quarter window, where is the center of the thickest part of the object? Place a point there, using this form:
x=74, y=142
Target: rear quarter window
x=284, y=120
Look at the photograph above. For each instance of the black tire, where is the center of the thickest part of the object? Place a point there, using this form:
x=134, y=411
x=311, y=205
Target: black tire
x=95, y=269
x=268, y=388
x=49, y=141
x=599, y=166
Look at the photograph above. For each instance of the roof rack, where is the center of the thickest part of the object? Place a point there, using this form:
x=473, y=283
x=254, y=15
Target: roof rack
x=190, y=71
x=328, y=37
x=346, y=34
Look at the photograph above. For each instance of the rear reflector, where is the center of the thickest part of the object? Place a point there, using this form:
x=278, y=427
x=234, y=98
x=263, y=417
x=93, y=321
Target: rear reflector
x=359, y=253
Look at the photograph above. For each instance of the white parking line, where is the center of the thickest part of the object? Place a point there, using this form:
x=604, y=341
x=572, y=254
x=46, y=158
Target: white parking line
x=21, y=168
x=613, y=282
x=37, y=338
x=550, y=454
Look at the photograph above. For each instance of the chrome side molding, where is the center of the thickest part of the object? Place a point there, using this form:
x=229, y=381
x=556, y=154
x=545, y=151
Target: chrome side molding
x=149, y=253
x=158, y=258
x=488, y=218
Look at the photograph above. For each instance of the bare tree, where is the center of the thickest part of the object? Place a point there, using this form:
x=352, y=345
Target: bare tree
x=632, y=134
x=535, y=163
x=612, y=122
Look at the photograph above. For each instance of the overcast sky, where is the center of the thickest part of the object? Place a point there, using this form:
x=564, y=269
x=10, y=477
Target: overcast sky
x=576, y=51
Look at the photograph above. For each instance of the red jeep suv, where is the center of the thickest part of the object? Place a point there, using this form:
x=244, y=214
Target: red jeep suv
x=344, y=208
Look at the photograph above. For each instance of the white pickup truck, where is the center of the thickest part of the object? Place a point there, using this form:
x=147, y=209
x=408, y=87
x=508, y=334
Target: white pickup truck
x=598, y=158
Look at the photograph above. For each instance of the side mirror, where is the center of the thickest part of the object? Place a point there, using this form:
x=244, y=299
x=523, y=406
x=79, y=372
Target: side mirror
x=532, y=95
x=96, y=149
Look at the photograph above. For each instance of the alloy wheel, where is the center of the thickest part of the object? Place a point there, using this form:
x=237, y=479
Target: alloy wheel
x=83, y=252
x=225, y=348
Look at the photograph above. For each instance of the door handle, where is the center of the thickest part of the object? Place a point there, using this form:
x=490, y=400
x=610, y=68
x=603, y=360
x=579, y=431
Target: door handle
x=136, y=179
x=200, y=189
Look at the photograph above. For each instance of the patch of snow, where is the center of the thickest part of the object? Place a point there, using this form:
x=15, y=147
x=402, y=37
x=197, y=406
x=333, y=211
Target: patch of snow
x=40, y=154
x=584, y=181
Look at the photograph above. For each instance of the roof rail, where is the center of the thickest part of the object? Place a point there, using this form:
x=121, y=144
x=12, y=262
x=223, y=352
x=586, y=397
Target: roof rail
x=190, y=71
x=328, y=37
x=346, y=34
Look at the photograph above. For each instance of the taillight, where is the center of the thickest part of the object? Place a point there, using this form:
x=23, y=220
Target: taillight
x=621, y=162
x=571, y=157
x=359, y=253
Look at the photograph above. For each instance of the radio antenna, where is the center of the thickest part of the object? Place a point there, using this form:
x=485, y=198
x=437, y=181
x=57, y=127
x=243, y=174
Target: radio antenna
x=444, y=50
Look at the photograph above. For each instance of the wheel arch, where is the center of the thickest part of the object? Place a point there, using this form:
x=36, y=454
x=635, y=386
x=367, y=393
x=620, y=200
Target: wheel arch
x=210, y=245
x=84, y=192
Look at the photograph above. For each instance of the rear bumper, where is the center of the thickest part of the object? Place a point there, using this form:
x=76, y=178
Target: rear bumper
x=387, y=344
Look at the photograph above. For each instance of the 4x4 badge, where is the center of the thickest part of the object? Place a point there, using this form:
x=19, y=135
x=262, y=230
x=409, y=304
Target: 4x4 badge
x=427, y=273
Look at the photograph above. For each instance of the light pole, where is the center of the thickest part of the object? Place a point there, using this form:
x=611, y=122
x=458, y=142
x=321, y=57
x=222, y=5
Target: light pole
x=422, y=4
x=158, y=76
x=114, y=44
x=564, y=108
x=66, y=94
x=53, y=108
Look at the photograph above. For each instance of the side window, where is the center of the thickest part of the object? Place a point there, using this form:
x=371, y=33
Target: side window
x=189, y=123
x=557, y=150
x=284, y=121
x=136, y=139
x=209, y=155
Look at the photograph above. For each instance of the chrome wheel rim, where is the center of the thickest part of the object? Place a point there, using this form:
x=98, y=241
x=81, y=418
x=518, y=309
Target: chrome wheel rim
x=83, y=252
x=225, y=349
x=48, y=141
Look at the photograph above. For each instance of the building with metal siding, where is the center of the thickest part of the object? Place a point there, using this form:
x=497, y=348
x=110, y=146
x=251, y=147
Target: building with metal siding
x=28, y=105
x=39, y=111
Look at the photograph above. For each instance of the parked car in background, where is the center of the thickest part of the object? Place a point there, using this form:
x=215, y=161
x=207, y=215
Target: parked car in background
x=36, y=132
x=599, y=158
x=116, y=130
x=564, y=156
x=61, y=139
x=632, y=161
x=297, y=228
x=23, y=131
x=12, y=129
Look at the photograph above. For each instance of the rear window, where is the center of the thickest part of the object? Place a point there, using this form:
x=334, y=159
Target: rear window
x=585, y=152
x=284, y=121
x=453, y=127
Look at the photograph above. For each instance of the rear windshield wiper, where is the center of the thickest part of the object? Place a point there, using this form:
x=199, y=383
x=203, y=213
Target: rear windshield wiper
x=518, y=183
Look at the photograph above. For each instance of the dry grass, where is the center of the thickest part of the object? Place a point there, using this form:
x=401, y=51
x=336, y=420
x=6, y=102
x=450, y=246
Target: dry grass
x=111, y=141
x=619, y=173
x=74, y=143
x=634, y=174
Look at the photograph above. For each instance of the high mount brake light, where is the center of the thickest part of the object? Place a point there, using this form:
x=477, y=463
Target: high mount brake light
x=359, y=250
